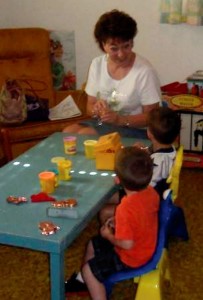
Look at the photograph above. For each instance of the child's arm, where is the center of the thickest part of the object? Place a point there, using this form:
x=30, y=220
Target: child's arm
x=107, y=233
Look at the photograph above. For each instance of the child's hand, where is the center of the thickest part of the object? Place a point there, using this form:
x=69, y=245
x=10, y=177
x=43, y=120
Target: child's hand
x=140, y=146
x=105, y=231
x=108, y=228
x=110, y=222
x=117, y=180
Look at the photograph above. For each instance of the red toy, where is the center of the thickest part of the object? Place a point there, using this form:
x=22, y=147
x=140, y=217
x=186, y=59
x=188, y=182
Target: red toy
x=41, y=197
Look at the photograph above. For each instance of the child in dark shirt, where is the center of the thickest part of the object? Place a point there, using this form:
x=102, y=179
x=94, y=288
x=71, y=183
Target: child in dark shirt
x=164, y=126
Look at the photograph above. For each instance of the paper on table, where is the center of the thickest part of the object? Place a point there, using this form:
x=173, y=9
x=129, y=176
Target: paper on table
x=64, y=110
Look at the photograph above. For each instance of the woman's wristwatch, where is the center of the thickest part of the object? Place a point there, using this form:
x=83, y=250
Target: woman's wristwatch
x=123, y=121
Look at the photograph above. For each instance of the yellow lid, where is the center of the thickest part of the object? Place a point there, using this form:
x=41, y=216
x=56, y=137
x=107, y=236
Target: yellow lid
x=57, y=159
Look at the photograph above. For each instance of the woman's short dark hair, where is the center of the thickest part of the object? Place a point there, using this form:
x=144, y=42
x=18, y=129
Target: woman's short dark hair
x=114, y=24
x=134, y=168
x=165, y=124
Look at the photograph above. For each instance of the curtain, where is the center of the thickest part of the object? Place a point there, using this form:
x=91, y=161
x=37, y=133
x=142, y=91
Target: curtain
x=182, y=11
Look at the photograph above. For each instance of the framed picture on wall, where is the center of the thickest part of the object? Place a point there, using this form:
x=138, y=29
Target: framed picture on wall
x=63, y=62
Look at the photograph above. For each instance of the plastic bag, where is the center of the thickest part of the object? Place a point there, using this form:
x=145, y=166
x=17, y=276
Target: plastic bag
x=13, y=107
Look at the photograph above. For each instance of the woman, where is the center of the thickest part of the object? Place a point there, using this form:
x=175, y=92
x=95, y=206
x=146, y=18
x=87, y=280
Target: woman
x=122, y=86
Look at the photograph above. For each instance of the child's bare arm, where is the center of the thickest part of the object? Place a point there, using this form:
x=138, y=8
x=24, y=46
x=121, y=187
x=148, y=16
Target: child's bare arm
x=124, y=244
x=107, y=232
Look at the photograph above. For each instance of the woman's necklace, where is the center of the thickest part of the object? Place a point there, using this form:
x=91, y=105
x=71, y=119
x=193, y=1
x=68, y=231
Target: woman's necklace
x=118, y=72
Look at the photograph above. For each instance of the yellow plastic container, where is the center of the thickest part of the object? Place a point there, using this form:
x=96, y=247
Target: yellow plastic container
x=64, y=168
x=105, y=150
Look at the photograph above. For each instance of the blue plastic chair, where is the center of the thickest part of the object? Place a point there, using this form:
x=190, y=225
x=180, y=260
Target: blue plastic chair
x=164, y=217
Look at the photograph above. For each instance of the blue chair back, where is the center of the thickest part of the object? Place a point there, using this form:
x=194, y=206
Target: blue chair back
x=164, y=217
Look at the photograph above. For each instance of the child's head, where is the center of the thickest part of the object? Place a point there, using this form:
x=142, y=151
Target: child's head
x=164, y=124
x=133, y=167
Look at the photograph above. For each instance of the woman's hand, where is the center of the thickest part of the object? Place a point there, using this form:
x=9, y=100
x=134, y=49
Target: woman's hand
x=99, y=108
x=109, y=116
x=101, y=105
x=102, y=110
x=95, y=106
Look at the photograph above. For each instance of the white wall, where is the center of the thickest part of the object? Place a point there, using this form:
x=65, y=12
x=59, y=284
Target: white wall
x=176, y=51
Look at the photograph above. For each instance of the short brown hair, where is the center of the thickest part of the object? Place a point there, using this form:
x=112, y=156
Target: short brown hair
x=165, y=124
x=134, y=168
x=114, y=24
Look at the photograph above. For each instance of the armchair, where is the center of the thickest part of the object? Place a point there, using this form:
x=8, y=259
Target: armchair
x=25, y=53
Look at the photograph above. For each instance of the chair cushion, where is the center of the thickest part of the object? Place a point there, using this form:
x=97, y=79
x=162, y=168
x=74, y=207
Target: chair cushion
x=25, y=54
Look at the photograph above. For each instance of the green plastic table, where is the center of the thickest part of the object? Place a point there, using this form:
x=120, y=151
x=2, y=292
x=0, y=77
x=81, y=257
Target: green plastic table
x=19, y=223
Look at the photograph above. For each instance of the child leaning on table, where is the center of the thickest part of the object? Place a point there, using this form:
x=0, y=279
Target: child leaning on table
x=163, y=128
x=129, y=239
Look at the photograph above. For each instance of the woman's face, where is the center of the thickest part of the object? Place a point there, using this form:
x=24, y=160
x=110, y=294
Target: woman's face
x=118, y=51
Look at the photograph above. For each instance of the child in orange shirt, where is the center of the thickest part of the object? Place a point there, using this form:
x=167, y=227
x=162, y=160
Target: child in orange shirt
x=129, y=239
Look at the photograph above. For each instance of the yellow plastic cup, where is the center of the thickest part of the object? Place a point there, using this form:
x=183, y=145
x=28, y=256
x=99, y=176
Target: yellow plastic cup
x=90, y=148
x=47, y=181
x=64, y=168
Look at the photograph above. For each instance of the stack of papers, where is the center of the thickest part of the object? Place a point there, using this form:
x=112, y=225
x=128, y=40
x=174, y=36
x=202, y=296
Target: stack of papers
x=64, y=110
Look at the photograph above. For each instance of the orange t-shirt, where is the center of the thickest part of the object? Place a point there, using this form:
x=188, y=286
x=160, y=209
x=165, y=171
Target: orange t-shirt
x=136, y=219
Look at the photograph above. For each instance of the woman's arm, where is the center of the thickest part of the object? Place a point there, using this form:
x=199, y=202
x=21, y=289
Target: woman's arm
x=128, y=120
x=137, y=120
x=90, y=104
